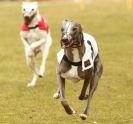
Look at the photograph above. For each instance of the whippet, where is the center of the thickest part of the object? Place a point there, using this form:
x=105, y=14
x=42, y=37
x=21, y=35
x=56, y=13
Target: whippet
x=78, y=59
x=36, y=37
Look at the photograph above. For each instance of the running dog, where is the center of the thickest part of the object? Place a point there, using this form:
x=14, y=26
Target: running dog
x=78, y=59
x=36, y=37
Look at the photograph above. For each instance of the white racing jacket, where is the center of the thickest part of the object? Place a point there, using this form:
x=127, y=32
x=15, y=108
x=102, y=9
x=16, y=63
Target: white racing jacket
x=91, y=51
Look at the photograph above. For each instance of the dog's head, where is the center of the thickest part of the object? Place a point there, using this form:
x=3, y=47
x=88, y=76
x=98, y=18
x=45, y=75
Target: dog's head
x=71, y=34
x=29, y=10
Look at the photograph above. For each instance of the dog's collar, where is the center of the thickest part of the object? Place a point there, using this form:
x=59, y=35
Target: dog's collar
x=42, y=25
x=72, y=63
x=34, y=27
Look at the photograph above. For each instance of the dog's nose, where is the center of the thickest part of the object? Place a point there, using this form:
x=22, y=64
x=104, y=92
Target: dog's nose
x=64, y=40
x=26, y=17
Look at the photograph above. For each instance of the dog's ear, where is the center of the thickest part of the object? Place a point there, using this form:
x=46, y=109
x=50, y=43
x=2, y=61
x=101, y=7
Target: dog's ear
x=23, y=3
x=79, y=27
x=63, y=24
x=64, y=21
x=35, y=4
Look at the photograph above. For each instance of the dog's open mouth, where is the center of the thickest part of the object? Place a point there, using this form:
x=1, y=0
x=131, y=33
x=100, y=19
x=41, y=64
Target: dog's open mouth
x=67, y=44
x=71, y=43
x=27, y=20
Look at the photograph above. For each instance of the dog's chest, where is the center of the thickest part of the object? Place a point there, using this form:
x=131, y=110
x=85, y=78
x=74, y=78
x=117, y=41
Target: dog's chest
x=32, y=36
x=72, y=74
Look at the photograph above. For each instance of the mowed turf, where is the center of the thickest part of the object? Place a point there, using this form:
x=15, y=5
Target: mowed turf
x=112, y=103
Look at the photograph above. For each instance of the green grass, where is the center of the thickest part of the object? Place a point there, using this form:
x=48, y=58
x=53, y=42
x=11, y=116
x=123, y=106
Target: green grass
x=111, y=24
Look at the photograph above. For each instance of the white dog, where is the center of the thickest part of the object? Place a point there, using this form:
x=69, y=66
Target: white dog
x=35, y=36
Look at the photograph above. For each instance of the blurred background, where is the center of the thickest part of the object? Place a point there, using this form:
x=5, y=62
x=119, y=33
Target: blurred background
x=110, y=22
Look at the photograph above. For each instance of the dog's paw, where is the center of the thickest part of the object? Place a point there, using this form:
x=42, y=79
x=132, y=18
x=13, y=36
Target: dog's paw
x=83, y=116
x=40, y=76
x=74, y=112
x=56, y=96
x=83, y=97
x=41, y=73
x=30, y=85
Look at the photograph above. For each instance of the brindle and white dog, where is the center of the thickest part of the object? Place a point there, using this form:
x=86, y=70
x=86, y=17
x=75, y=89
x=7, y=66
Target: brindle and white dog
x=35, y=36
x=78, y=60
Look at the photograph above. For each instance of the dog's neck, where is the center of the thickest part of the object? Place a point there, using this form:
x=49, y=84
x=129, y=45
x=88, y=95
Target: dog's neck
x=35, y=20
x=75, y=54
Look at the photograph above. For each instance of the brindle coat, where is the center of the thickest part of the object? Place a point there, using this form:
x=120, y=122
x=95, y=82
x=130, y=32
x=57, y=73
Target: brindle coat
x=72, y=32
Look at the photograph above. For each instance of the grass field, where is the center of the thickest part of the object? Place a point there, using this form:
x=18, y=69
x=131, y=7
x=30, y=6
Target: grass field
x=111, y=24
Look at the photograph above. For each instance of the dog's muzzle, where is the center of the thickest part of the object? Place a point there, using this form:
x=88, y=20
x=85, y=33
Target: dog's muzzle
x=27, y=20
x=66, y=42
x=70, y=43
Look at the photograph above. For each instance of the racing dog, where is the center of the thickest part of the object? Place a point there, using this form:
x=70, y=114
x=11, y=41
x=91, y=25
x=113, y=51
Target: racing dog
x=35, y=36
x=78, y=59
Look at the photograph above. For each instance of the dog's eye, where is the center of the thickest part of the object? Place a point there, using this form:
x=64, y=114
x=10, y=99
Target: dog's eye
x=23, y=9
x=74, y=29
x=32, y=10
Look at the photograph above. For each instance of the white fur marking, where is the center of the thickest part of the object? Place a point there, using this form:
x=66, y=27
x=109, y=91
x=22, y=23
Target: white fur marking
x=29, y=8
x=72, y=74
x=56, y=95
x=68, y=25
x=83, y=116
x=76, y=57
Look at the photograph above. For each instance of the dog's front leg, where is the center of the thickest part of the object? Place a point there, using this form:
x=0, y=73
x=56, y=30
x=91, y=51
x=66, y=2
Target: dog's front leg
x=98, y=68
x=34, y=80
x=57, y=93
x=27, y=47
x=64, y=102
x=43, y=63
x=83, y=95
x=93, y=85
x=31, y=64
x=37, y=44
x=84, y=115
x=45, y=51
x=29, y=55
